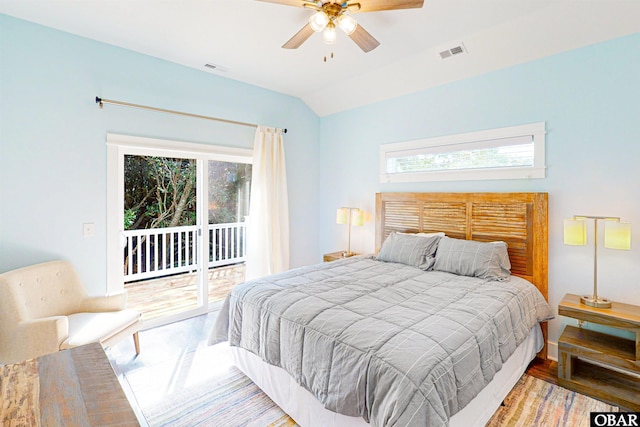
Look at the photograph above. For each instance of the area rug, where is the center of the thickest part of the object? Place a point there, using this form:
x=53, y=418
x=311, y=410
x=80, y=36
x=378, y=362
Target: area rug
x=534, y=402
x=226, y=397
x=199, y=387
x=231, y=399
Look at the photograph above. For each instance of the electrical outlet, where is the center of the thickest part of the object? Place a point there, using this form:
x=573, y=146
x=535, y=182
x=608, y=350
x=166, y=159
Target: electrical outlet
x=88, y=229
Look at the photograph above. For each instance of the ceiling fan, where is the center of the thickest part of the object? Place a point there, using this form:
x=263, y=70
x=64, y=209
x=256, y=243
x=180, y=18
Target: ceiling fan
x=336, y=13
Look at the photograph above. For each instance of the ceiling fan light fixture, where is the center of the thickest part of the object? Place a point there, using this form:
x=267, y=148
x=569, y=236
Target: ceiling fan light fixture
x=329, y=35
x=347, y=23
x=318, y=21
x=329, y=14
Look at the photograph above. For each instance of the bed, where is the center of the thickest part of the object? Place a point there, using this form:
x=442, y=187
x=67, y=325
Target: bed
x=424, y=333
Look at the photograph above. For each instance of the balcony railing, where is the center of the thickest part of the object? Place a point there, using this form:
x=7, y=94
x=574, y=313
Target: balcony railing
x=158, y=252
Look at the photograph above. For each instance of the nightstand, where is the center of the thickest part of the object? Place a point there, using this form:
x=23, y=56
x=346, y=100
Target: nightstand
x=334, y=256
x=598, y=364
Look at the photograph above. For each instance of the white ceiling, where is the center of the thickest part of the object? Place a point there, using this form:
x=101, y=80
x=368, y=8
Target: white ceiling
x=245, y=36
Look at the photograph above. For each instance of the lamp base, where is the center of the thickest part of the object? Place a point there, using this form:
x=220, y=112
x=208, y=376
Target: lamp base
x=595, y=301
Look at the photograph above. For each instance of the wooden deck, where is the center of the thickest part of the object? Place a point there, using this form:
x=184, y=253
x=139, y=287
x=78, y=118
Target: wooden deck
x=175, y=294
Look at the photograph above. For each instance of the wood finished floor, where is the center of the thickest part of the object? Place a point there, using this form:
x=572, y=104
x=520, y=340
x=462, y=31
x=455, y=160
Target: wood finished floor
x=546, y=370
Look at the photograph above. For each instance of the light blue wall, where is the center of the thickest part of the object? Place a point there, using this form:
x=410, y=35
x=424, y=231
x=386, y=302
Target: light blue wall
x=53, y=154
x=589, y=99
x=52, y=139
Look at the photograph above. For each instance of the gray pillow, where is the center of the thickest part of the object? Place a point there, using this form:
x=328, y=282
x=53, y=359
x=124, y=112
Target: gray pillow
x=470, y=258
x=410, y=249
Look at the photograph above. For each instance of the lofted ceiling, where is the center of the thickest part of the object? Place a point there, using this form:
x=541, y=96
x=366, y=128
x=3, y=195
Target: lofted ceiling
x=244, y=38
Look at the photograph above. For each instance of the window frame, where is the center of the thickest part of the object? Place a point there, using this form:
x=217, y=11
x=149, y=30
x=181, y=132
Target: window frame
x=534, y=130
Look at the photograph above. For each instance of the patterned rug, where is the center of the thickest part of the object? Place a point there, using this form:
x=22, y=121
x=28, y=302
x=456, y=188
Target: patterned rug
x=229, y=398
x=534, y=402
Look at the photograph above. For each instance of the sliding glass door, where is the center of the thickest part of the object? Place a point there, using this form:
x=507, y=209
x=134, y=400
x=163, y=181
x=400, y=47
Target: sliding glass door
x=176, y=229
x=229, y=186
x=161, y=228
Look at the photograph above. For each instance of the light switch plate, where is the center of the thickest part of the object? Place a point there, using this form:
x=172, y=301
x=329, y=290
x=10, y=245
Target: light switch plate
x=88, y=229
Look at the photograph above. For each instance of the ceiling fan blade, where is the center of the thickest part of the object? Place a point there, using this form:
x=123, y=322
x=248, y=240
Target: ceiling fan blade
x=363, y=39
x=299, y=38
x=376, y=5
x=297, y=3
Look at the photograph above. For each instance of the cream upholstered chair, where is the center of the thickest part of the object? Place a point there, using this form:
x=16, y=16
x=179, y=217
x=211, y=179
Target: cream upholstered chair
x=44, y=308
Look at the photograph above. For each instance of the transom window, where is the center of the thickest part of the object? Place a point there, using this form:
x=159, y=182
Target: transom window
x=506, y=153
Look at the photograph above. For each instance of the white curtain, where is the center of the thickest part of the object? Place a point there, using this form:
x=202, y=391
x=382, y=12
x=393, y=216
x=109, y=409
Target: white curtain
x=268, y=223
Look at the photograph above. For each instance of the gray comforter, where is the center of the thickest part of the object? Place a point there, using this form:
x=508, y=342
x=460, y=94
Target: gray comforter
x=390, y=343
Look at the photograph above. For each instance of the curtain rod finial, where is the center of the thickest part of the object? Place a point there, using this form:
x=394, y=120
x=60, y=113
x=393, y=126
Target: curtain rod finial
x=99, y=102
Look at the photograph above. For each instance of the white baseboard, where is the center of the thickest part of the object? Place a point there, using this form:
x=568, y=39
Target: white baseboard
x=552, y=350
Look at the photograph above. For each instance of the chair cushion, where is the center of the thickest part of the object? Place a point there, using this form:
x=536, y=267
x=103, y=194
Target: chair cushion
x=43, y=290
x=85, y=328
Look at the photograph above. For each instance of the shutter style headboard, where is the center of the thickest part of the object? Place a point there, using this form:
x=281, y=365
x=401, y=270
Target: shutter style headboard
x=519, y=219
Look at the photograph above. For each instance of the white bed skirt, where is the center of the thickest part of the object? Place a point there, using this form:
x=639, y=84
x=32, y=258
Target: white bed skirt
x=303, y=407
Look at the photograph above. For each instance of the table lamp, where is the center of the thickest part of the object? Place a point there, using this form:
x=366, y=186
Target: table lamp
x=350, y=216
x=617, y=235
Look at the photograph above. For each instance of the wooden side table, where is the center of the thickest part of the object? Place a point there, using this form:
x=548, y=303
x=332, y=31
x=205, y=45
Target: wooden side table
x=601, y=365
x=334, y=256
x=75, y=387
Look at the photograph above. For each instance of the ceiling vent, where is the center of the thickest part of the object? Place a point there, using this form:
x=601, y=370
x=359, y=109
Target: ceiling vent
x=216, y=67
x=456, y=50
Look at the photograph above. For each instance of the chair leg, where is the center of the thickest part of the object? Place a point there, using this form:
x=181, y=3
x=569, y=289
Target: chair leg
x=136, y=342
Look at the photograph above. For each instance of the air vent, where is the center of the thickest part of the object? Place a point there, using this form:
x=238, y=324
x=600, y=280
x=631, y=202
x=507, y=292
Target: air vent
x=216, y=67
x=453, y=51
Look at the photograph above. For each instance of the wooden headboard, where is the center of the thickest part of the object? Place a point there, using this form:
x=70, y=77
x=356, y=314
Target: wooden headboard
x=519, y=219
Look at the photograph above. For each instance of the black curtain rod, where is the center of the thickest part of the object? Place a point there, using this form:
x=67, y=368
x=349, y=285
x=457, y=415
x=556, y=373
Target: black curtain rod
x=102, y=101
